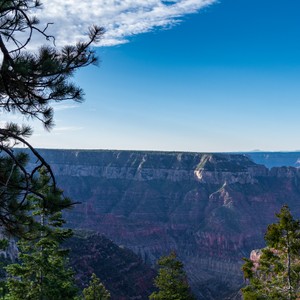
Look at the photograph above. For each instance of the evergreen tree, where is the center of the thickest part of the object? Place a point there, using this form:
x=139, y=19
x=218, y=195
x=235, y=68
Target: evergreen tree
x=277, y=273
x=29, y=83
x=42, y=272
x=96, y=290
x=171, y=280
x=13, y=206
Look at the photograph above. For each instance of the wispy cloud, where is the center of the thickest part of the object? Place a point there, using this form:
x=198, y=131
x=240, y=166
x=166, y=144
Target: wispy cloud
x=63, y=106
x=120, y=18
x=66, y=128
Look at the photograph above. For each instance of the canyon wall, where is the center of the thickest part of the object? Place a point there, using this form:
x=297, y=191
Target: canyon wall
x=121, y=271
x=212, y=209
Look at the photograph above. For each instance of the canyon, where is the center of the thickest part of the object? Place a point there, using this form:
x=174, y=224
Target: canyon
x=121, y=271
x=212, y=209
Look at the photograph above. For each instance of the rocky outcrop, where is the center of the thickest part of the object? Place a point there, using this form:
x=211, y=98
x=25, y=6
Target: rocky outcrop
x=121, y=271
x=220, y=169
x=212, y=209
x=255, y=257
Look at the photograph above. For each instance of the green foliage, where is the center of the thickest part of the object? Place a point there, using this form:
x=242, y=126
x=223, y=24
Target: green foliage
x=29, y=84
x=96, y=290
x=3, y=244
x=30, y=81
x=171, y=280
x=42, y=271
x=13, y=203
x=277, y=274
x=31, y=204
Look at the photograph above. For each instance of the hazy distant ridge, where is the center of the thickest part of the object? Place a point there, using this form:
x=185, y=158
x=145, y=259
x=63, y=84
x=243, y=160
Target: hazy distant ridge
x=275, y=159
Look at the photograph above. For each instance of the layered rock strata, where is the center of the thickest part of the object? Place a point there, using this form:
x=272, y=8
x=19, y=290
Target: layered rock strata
x=212, y=209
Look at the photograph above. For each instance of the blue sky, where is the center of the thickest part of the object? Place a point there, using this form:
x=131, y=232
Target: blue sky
x=207, y=78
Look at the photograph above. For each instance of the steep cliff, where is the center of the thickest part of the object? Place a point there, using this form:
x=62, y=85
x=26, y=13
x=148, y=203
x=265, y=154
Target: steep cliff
x=212, y=209
x=123, y=273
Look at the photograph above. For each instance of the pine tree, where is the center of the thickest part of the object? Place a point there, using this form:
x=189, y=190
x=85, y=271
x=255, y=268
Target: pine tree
x=42, y=272
x=171, y=280
x=96, y=290
x=277, y=273
x=30, y=81
x=13, y=206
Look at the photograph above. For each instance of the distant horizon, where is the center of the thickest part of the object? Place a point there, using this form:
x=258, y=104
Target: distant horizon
x=191, y=75
x=170, y=151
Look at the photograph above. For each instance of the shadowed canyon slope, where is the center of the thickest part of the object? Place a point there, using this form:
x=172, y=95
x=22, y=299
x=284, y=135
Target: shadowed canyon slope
x=121, y=271
x=213, y=209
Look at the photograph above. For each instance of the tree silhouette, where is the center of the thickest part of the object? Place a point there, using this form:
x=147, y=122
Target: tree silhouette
x=30, y=81
x=276, y=275
x=42, y=272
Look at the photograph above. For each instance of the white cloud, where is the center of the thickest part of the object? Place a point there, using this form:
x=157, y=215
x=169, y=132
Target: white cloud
x=66, y=128
x=63, y=106
x=120, y=18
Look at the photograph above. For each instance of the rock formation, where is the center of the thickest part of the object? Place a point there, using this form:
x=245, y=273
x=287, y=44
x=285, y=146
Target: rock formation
x=121, y=271
x=212, y=209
